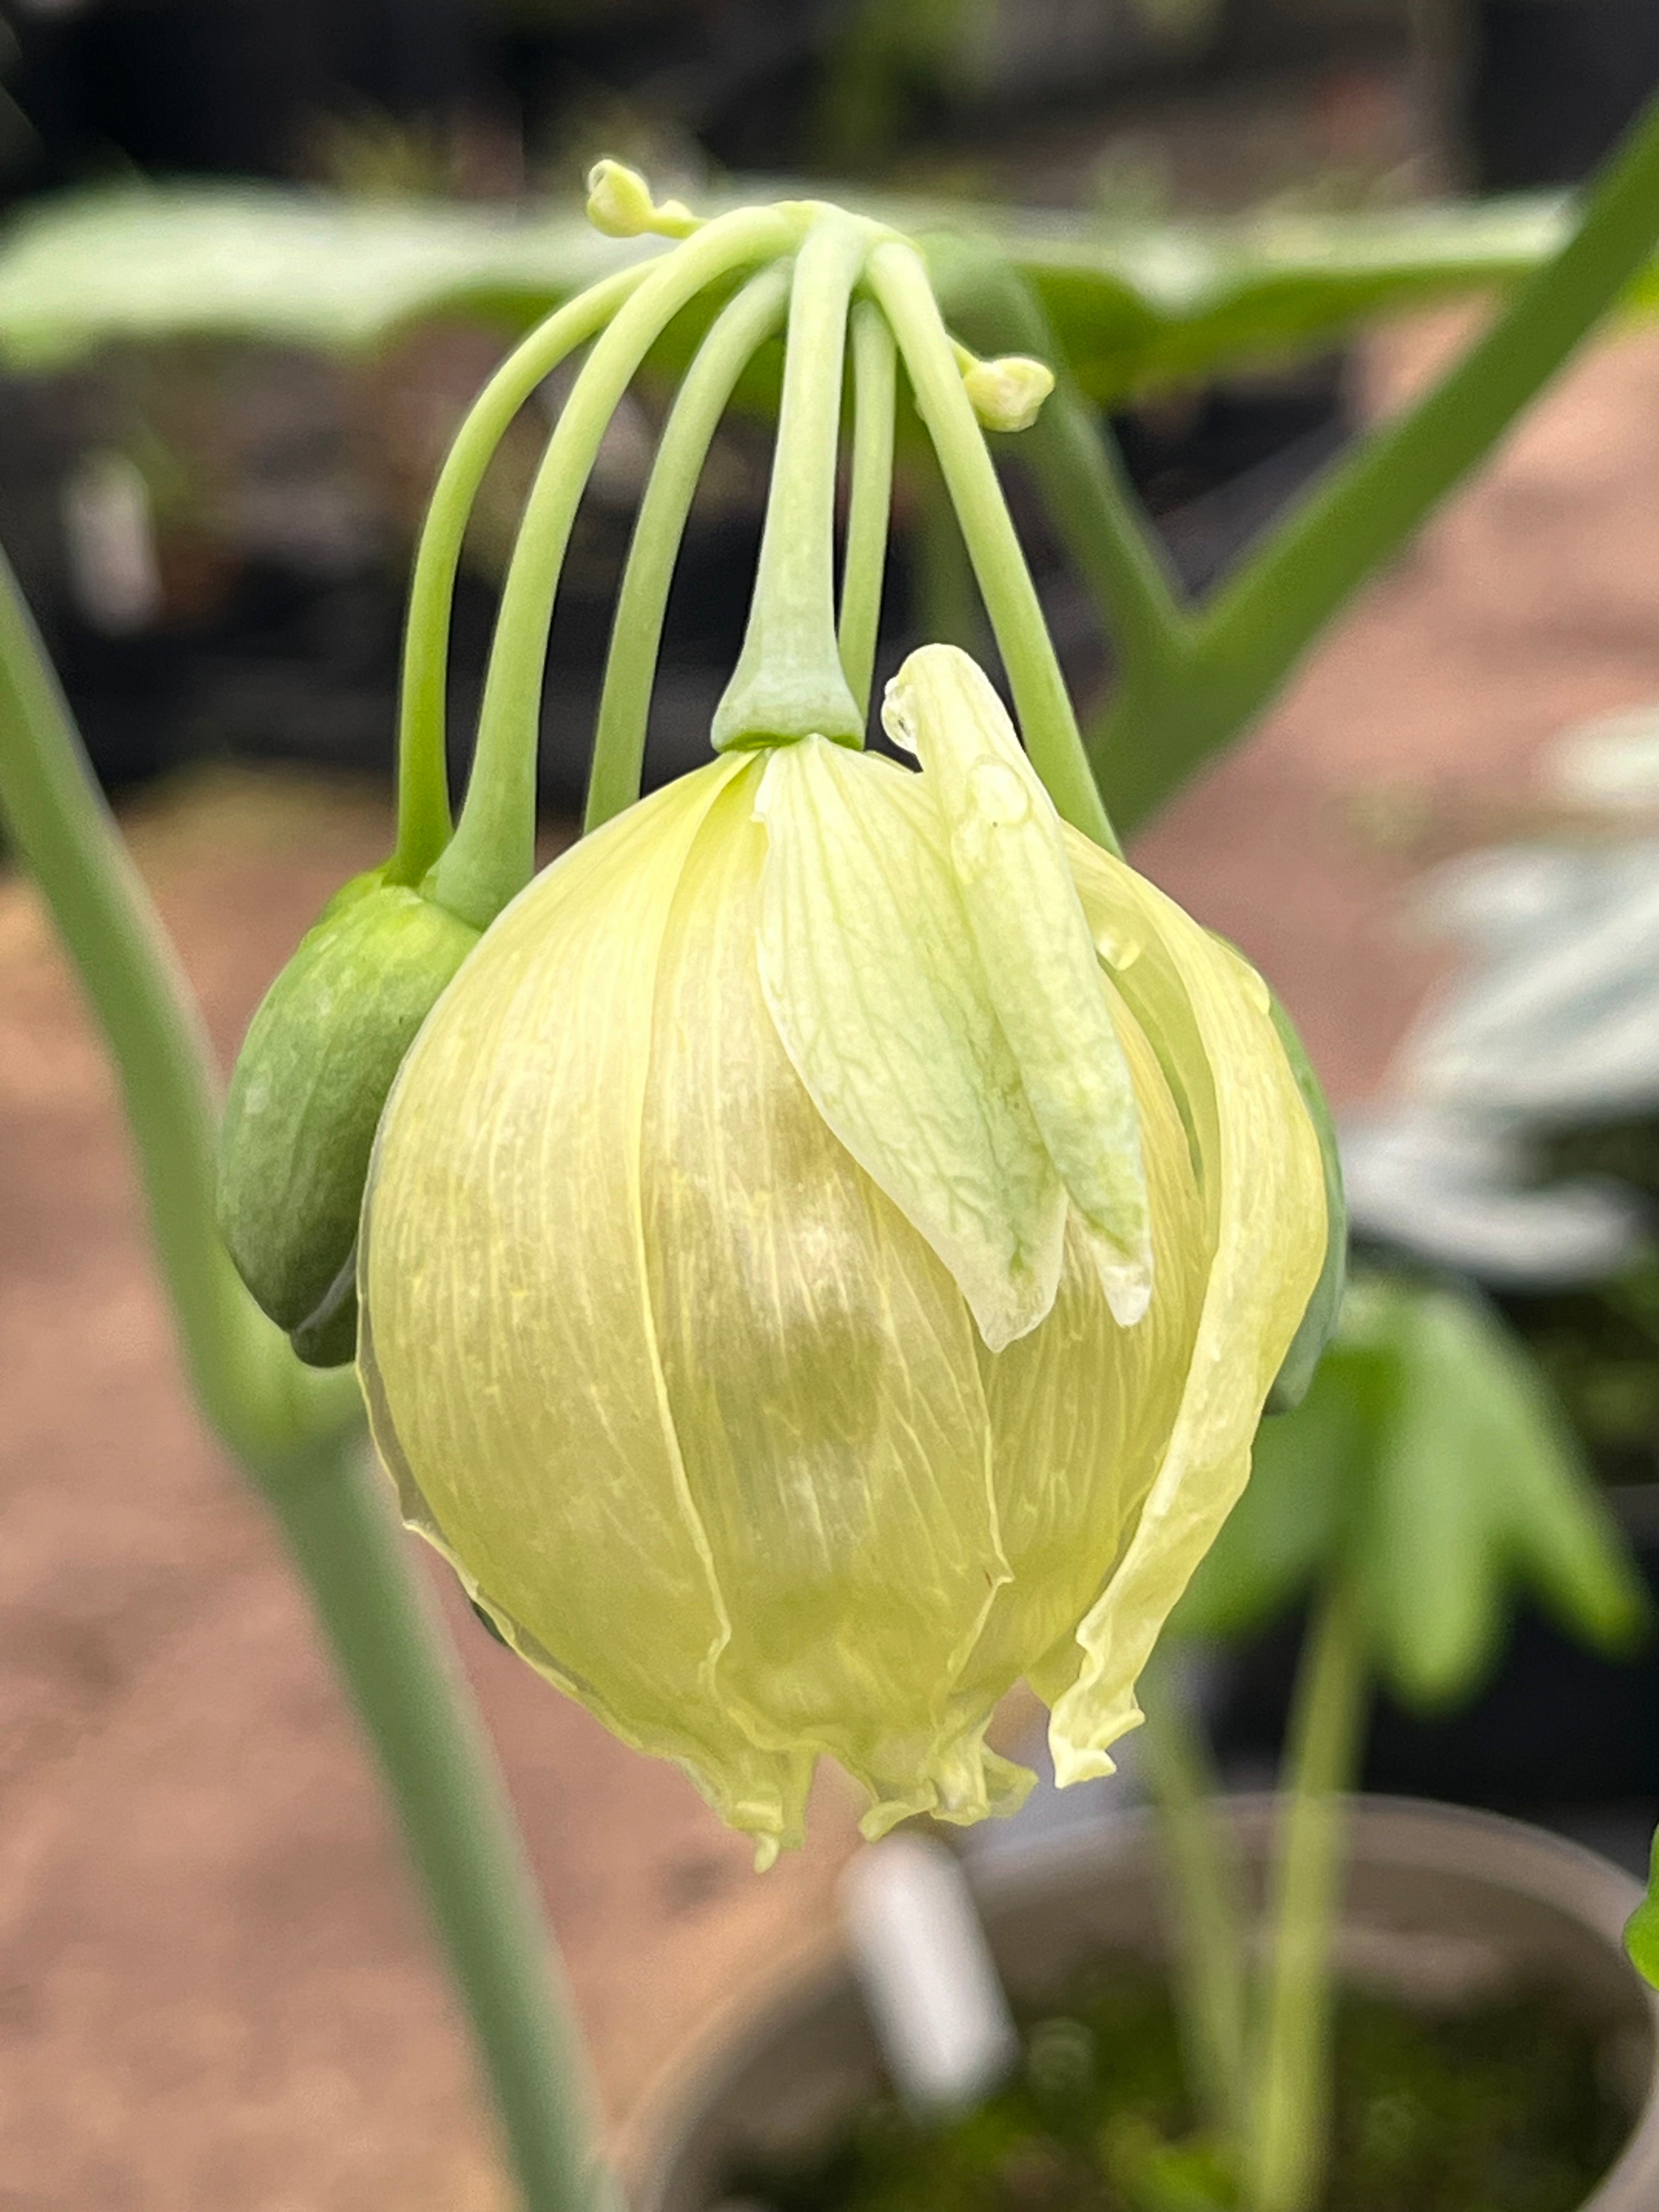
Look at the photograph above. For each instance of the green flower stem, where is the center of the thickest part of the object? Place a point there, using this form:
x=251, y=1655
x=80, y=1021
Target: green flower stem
x=1208, y=1920
x=788, y=682
x=424, y=823
x=492, y=854
x=870, y=498
x=741, y=326
x=247, y=1380
x=458, y=1825
x=297, y=1433
x=1076, y=467
x=1367, y=506
x=1289, y=2110
x=899, y=280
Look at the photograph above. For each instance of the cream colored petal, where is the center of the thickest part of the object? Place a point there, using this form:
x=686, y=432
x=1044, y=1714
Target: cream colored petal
x=1263, y=1189
x=1036, y=952
x=1082, y=1410
x=820, y=1363
x=870, y=972
x=509, y=1359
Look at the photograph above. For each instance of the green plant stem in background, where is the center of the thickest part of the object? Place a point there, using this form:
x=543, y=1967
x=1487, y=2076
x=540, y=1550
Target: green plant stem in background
x=1289, y=2112
x=1256, y=630
x=788, y=682
x=869, y=496
x=901, y=284
x=631, y=668
x=492, y=854
x=424, y=822
x=247, y=1380
x=458, y=1826
x=298, y=1434
x=1212, y=1985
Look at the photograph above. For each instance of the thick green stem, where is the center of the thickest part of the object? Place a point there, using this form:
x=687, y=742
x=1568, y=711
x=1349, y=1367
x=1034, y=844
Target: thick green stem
x=870, y=498
x=492, y=854
x=900, y=283
x=631, y=668
x=788, y=682
x=1290, y=2108
x=424, y=822
x=1369, y=506
x=247, y=1380
x=1076, y=467
x=1208, y=1919
x=298, y=1433
x=458, y=1826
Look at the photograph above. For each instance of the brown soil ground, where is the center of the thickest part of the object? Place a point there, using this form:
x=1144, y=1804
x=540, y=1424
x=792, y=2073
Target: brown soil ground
x=216, y=1992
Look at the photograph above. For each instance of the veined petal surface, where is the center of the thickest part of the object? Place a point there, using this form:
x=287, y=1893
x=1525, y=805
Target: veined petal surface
x=821, y=1367
x=1036, y=952
x=510, y=1357
x=1264, y=1235
x=871, y=975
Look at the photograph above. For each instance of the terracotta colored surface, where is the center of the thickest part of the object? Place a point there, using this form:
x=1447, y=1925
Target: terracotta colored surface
x=214, y=1991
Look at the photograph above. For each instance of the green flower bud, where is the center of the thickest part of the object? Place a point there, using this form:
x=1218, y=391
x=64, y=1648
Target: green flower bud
x=309, y=1084
x=1319, y=1323
x=824, y=1259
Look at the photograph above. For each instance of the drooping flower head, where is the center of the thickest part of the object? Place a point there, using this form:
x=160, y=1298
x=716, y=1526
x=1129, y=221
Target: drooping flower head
x=827, y=1247
x=824, y=1261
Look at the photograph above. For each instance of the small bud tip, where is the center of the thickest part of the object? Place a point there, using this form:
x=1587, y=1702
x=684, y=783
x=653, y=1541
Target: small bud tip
x=619, y=205
x=1008, y=394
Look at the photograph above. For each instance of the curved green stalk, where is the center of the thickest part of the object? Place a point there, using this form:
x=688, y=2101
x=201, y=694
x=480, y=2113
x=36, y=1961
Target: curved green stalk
x=457, y=1824
x=741, y=326
x=870, y=498
x=1367, y=506
x=788, y=682
x=1076, y=467
x=1290, y=2111
x=423, y=824
x=899, y=280
x=247, y=1380
x=492, y=854
x=298, y=1433
x=1211, y=1973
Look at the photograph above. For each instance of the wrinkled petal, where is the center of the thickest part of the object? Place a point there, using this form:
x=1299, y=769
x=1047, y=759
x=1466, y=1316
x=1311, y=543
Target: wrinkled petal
x=1080, y=1413
x=1262, y=1186
x=871, y=975
x=1036, y=950
x=821, y=1367
x=511, y=1364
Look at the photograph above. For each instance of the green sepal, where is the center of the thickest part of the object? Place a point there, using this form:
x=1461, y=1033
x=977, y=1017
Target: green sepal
x=306, y=1097
x=1318, y=1323
x=1642, y=1929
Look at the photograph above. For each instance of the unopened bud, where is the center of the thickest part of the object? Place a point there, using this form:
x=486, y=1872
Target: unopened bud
x=306, y=1097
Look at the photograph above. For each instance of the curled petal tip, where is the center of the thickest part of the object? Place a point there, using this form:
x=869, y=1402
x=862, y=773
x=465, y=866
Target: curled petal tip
x=619, y=205
x=1008, y=394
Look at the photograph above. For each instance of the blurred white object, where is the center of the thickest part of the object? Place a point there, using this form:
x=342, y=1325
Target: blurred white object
x=927, y=1973
x=1557, y=1017
x=1458, y=1190
x=111, y=544
x=1611, y=761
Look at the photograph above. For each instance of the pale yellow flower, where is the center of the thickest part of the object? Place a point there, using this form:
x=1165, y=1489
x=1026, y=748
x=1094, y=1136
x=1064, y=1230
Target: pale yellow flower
x=824, y=1259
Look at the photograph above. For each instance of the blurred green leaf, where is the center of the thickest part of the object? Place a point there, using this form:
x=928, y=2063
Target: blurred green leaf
x=1137, y=307
x=1642, y=1929
x=1431, y=1466
x=1286, y=1527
